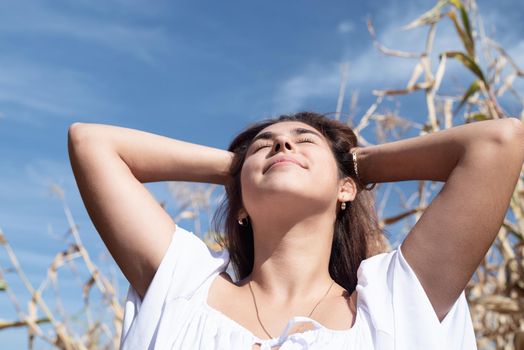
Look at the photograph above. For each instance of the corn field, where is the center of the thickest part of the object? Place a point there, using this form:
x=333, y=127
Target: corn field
x=496, y=291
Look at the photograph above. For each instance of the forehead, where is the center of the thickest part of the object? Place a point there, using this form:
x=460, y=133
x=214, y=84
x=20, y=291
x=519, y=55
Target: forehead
x=287, y=127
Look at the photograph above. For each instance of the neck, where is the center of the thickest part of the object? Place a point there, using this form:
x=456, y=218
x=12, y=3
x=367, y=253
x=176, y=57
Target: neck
x=292, y=259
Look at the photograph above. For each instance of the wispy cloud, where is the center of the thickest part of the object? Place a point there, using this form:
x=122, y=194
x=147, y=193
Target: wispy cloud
x=315, y=81
x=26, y=193
x=38, y=19
x=33, y=89
x=32, y=258
x=44, y=172
x=370, y=69
x=45, y=88
x=345, y=27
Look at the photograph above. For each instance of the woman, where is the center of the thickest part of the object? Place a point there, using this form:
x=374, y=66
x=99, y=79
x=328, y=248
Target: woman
x=299, y=230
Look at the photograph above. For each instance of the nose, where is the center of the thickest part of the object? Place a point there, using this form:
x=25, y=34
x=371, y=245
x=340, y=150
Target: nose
x=282, y=144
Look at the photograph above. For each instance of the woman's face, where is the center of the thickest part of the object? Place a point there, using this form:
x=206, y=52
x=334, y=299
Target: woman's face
x=289, y=164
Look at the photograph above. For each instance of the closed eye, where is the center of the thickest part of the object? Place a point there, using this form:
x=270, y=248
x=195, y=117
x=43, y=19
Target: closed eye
x=304, y=139
x=262, y=145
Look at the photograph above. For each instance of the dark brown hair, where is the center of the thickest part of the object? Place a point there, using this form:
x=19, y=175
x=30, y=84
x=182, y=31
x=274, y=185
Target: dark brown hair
x=356, y=231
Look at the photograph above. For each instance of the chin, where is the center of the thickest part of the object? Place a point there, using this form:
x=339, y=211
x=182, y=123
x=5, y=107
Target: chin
x=286, y=185
x=288, y=189
x=290, y=193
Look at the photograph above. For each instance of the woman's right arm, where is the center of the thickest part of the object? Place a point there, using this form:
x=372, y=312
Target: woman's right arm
x=110, y=163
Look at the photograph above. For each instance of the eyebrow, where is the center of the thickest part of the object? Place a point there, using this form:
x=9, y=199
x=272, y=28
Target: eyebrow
x=297, y=131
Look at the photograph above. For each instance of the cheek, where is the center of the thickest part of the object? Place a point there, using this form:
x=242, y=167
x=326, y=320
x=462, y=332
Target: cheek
x=247, y=176
x=326, y=165
x=248, y=187
x=326, y=175
x=247, y=169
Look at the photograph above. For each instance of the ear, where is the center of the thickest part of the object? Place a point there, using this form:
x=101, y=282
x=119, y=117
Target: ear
x=242, y=213
x=347, y=190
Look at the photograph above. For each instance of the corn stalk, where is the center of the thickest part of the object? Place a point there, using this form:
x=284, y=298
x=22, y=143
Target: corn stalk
x=496, y=291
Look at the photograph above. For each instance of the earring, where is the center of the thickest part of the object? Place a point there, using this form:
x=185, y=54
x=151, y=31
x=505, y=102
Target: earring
x=343, y=206
x=243, y=221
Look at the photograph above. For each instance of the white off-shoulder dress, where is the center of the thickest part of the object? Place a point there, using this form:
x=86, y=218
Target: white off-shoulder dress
x=393, y=311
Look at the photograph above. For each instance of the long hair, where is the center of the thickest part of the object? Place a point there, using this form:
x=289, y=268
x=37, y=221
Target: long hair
x=356, y=231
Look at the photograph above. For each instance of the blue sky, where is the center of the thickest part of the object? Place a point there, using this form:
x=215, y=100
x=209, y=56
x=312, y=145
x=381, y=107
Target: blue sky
x=193, y=70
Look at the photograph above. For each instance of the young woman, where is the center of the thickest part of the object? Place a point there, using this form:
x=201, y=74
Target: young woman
x=299, y=232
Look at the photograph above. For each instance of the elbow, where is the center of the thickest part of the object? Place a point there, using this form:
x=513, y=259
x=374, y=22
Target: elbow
x=74, y=126
x=518, y=131
x=72, y=138
x=502, y=140
x=510, y=131
x=82, y=137
x=73, y=131
x=79, y=133
x=77, y=137
x=508, y=141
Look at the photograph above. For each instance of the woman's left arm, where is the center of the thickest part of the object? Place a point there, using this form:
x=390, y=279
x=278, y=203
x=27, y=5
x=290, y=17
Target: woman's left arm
x=480, y=164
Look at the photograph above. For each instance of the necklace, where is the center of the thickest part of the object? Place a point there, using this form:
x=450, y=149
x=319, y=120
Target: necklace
x=256, y=307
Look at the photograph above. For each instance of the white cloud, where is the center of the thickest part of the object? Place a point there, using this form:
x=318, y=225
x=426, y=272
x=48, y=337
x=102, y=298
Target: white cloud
x=26, y=190
x=44, y=172
x=29, y=86
x=315, y=81
x=139, y=41
x=31, y=258
x=46, y=88
x=345, y=27
x=370, y=69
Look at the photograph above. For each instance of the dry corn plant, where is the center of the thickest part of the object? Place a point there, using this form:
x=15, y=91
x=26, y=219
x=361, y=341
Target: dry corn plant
x=63, y=330
x=496, y=291
x=197, y=202
x=93, y=326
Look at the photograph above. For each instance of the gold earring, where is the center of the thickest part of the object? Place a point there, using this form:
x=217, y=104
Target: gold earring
x=243, y=221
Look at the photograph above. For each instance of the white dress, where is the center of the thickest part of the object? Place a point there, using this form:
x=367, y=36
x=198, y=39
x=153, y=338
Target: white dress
x=393, y=311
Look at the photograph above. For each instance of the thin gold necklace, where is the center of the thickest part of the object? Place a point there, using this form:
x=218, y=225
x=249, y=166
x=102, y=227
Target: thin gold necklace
x=258, y=316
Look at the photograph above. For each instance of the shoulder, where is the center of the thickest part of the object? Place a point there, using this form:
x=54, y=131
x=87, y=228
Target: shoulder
x=391, y=295
x=221, y=288
x=375, y=268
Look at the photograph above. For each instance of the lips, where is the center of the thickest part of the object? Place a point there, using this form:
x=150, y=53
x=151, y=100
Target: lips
x=282, y=159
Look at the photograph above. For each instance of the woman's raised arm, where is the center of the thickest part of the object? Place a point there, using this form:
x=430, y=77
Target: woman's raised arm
x=110, y=163
x=480, y=163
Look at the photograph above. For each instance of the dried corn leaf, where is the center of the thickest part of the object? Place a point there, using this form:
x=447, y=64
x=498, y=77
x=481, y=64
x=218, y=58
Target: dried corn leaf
x=398, y=217
x=186, y=214
x=499, y=303
x=507, y=84
x=417, y=71
x=476, y=117
x=20, y=323
x=473, y=88
x=467, y=36
x=87, y=287
x=467, y=62
x=419, y=86
x=3, y=285
x=387, y=51
x=466, y=41
x=31, y=317
x=59, y=260
x=429, y=17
